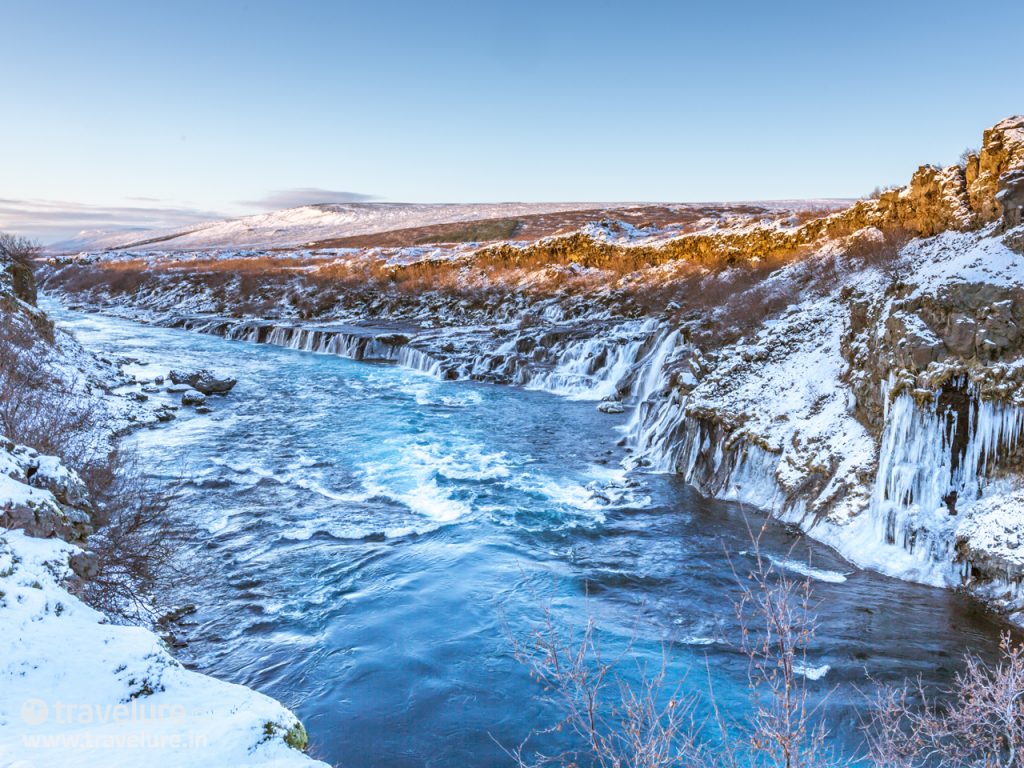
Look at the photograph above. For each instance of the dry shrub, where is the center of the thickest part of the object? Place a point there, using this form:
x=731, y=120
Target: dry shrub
x=135, y=553
x=812, y=214
x=867, y=252
x=38, y=406
x=22, y=254
x=980, y=721
x=621, y=713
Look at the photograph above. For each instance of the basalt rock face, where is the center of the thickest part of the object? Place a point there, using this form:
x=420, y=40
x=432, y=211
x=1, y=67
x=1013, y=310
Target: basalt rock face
x=1011, y=198
x=922, y=341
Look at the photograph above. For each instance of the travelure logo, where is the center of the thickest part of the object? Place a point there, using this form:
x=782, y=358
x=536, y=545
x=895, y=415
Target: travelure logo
x=37, y=712
x=34, y=711
x=132, y=725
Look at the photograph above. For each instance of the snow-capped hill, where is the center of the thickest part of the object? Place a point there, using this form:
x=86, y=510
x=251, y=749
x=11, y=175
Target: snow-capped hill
x=311, y=223
x=301, y=226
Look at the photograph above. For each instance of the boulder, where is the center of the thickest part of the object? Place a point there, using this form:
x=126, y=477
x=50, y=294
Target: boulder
x=41, y=496
x=164, y=414
x=204, y=381
x=193, y=397
x=610, y=406
x=960, y=335
x=85, y=565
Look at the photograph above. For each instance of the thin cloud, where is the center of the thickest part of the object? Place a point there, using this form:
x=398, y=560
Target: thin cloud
x=50, y=220
x=292, y=198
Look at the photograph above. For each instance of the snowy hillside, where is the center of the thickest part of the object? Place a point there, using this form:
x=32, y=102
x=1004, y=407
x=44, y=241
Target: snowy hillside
x=315, y=223
x=310, y=223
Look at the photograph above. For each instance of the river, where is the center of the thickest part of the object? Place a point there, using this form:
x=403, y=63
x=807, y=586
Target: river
x=360, y=537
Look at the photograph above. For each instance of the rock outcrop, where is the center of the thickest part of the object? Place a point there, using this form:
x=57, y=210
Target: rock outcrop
x=204, y=381
x=1002, y=150
x=41, y=496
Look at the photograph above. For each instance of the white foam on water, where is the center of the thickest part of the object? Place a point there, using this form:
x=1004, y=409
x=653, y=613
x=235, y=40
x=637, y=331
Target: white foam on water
x=312, y=485
x=430, y=392
x=812, y=672
x=252, y=471
x=697, y=640
x=468, y=461
x=804, y=569
x=426, y=498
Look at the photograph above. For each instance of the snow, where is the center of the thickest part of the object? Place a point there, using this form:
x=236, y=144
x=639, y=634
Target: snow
x=73, y=688
x=76, y=690
x=786, y=390
x=954, y=258
x=995, y=527
x=812, y=672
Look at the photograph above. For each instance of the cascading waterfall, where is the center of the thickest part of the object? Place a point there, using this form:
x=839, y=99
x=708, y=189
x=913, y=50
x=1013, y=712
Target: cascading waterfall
x=654, y=429
x=934, y=460
x=321, y=341
x=653, y=380
x=599, y=367
x=590, y=370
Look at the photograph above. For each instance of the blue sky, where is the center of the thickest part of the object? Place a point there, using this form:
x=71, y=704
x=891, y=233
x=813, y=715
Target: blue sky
x=128, y=113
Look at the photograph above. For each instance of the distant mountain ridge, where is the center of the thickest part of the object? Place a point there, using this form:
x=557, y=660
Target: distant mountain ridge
x=304, y=225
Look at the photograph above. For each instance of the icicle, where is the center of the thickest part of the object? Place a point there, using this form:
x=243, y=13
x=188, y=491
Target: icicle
x=920, y=480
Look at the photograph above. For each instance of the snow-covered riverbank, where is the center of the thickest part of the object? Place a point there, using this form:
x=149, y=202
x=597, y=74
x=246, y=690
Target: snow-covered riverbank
x=76, y=690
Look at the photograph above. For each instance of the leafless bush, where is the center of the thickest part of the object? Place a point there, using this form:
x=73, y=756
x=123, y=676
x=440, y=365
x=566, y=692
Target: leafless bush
x=965, y=157
x=134, y=547
x=615, y=722
x=42, y=407
x=878, y=191
x=777, y=624
x=881, y=253
x=979, y=724
x=22, y=254
x=644, y=720
x=38, y=405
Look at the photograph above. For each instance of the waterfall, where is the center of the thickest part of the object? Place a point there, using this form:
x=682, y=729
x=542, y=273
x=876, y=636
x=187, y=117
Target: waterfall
x=656, y=429
x=590, y=370
x=324, y=341
x=653, y=380
x=599, y=367
x=933, y=459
